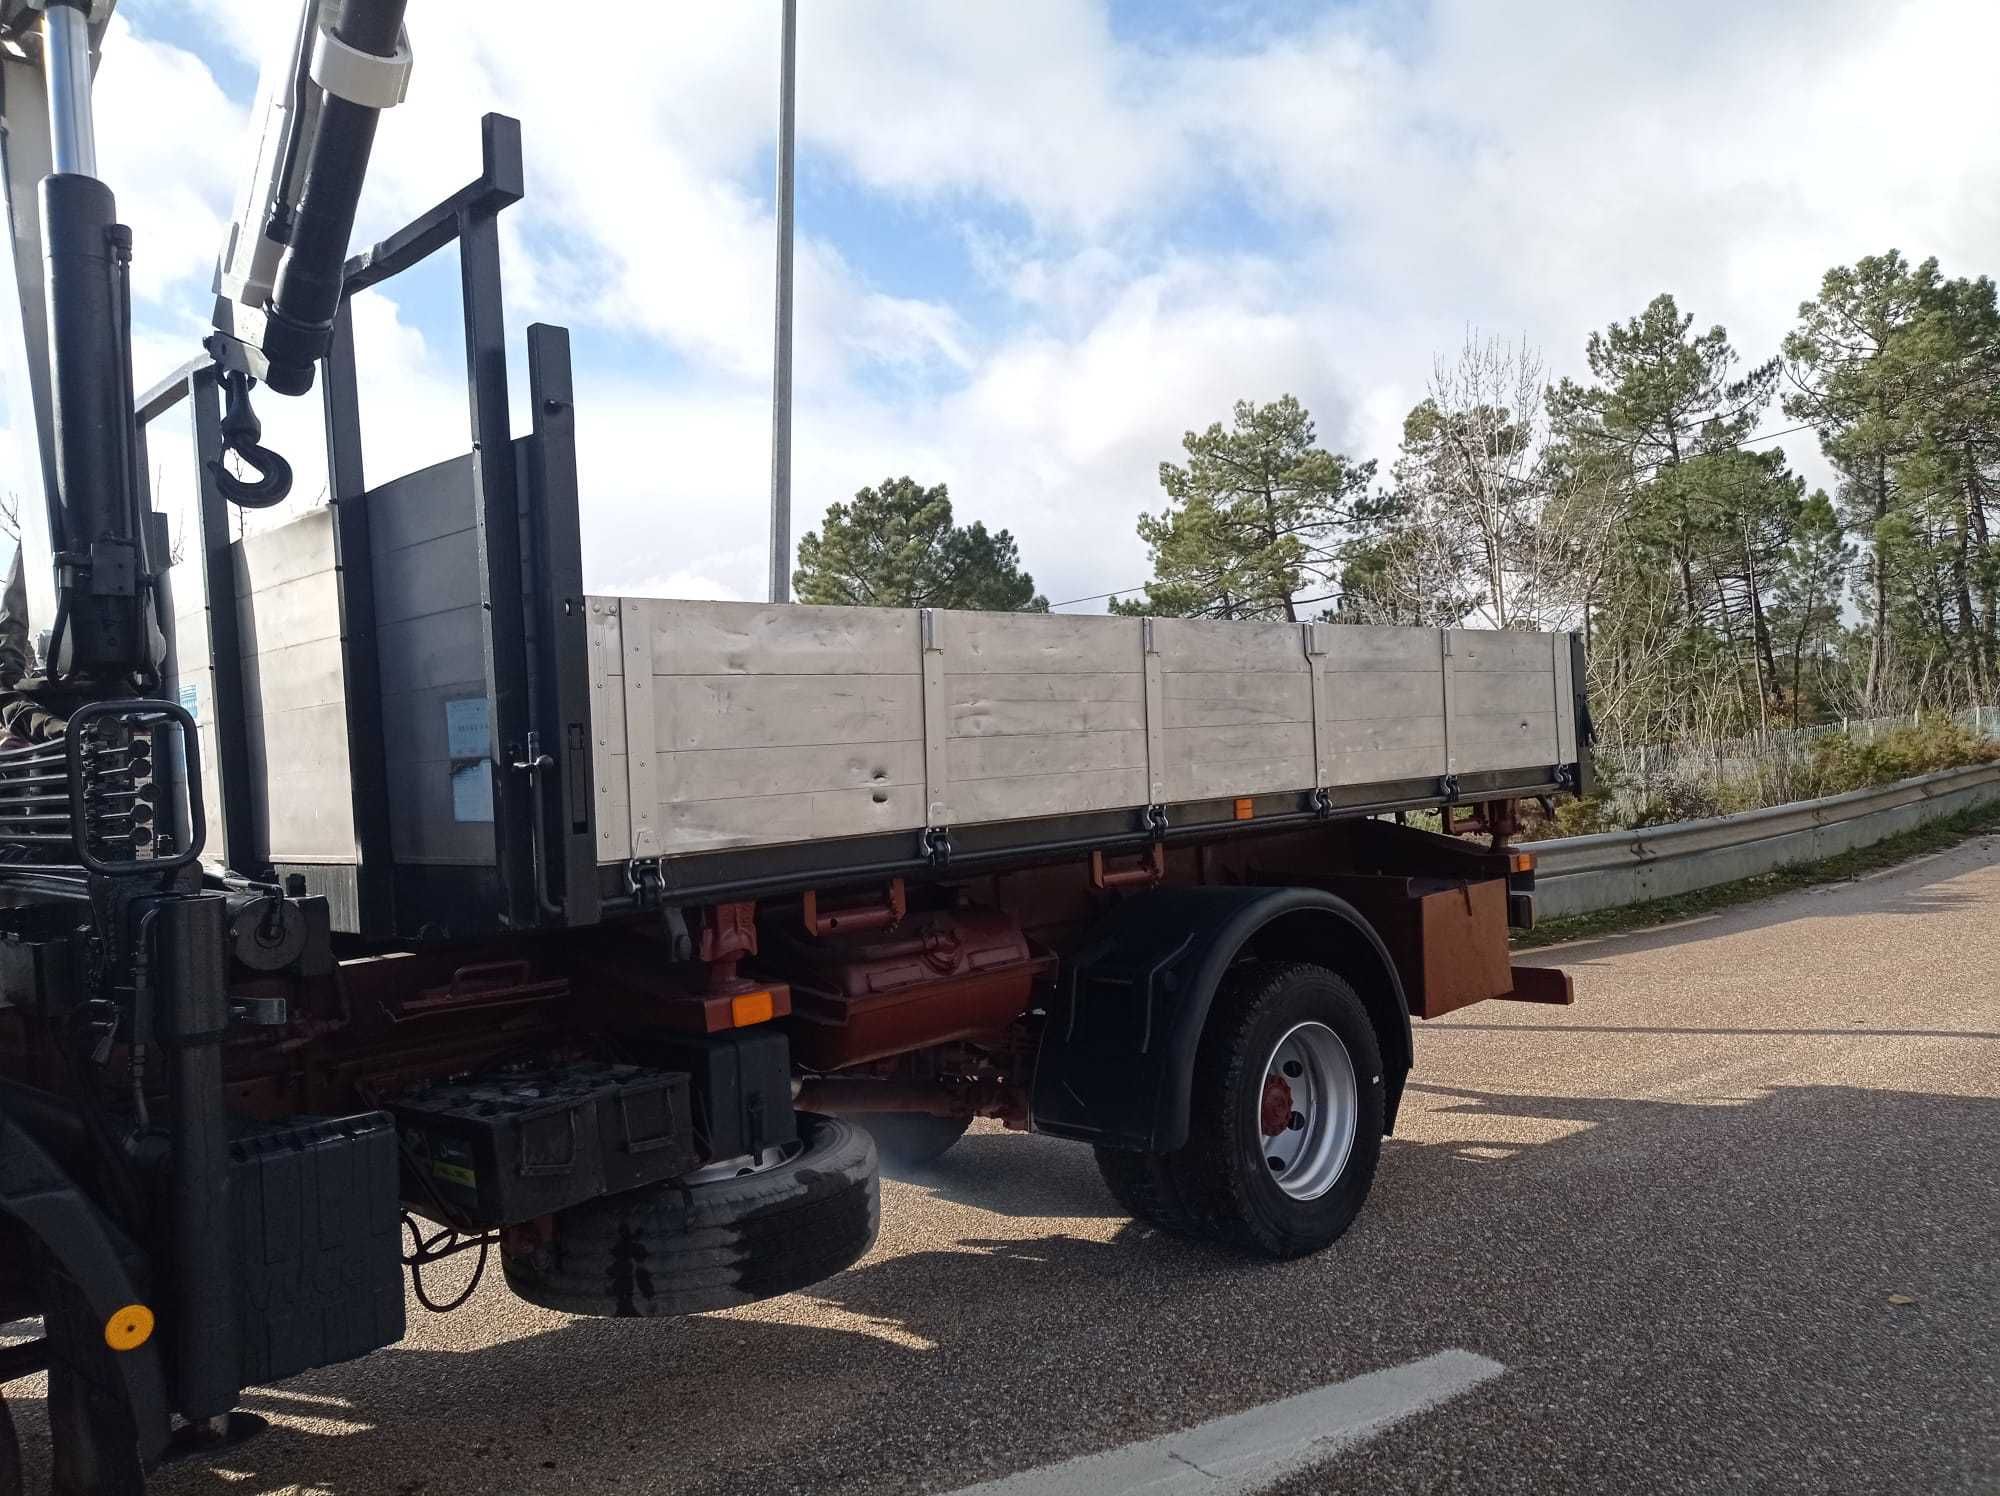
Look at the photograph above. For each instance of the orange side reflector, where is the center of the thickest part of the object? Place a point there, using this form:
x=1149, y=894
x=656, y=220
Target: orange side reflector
x=1522, y=862
x=747, y=1008
x=130, y=1328
x=1245, y=809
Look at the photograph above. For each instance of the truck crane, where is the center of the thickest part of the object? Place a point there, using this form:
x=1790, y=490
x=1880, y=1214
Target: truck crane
x=399, y=900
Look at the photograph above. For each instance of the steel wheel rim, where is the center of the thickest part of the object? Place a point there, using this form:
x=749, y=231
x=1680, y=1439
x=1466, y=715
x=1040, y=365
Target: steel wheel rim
x=1308, y=1108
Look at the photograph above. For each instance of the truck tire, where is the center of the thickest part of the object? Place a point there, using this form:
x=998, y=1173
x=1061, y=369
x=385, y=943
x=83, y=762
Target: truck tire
x=910, y=1140
x=1286, y=1117
x=11, y=1481
x=681, y=1248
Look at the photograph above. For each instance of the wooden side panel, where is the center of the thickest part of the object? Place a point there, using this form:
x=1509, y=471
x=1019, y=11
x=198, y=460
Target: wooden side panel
x=768, y=724
x=1385, y=704
x=1044, y=715
x=430, y=648
x=781, y=724
x=1503, y=703
x=294, y=696
x=1239, y=708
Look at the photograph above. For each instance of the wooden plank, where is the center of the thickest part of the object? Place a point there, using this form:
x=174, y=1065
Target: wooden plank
x=1070, y=792
x=1322, y=703
x=1389, y=732
x=781, y=711
x=1447, y=665
x=436, y=649
x=980, y=718
x=1358, y=695
x=1375, y=766
x=733, y=773
x=1045, y=754
x=607, y=687
x=1494, y=741
x=644, y=732
x=966, y=690
x=936, y=717
x=270, y=558
x=431, y=502
x=1211, y=699
x=716, y=638
x=1381, y=647
x=433, y=577
x=1196, y=645
x=298, y=611
x=704, y=825
x=1499, y=692
x=1205, y=762
x=614, y=809
x=1477, y=650
x=286, y=679
x=1565, y=693
x=1156, y=712
x=1042, y=643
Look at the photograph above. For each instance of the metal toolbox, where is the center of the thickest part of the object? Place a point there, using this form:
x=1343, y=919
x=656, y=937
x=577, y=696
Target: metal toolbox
x=514, y=1144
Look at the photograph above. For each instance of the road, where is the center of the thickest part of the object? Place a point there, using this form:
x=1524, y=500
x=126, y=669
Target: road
x=1732, y=1220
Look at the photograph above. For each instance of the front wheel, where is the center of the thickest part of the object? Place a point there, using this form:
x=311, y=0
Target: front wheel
x=1285, y=1123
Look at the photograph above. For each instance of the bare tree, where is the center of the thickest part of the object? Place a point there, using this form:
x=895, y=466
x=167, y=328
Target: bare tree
x=1486, y=519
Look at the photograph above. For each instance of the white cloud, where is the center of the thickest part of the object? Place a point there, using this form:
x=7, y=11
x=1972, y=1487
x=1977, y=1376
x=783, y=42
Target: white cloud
x=1394, y=174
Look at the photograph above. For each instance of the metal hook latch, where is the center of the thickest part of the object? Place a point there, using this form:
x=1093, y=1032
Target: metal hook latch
x=242, y=435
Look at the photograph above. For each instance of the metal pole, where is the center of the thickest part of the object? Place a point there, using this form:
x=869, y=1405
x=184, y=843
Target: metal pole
x=781, y=375
x=66, y=58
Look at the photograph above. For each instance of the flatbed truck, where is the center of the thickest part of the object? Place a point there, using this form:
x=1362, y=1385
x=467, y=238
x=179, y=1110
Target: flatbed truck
x=373, y=895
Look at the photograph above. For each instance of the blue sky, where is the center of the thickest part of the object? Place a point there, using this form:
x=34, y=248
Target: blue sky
x=1042, y=238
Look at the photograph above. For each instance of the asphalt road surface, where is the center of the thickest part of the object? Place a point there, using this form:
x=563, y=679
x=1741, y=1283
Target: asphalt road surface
x=1733, y=1220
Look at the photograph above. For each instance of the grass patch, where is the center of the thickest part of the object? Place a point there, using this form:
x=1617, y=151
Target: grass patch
x=1933, y=836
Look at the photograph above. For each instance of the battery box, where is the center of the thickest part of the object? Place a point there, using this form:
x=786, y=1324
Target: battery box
x=318, y=1232
x=514, y=1144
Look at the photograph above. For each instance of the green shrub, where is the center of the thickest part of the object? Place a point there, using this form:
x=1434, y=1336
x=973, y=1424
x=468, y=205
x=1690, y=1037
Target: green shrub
x=1842, y=763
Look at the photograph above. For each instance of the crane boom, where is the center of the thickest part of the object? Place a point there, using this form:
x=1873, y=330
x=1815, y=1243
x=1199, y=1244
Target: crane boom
x=278, y=285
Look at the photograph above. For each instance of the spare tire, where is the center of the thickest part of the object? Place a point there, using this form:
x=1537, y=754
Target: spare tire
x=685, y=1247
x=907, y=1141
x=11, y=1483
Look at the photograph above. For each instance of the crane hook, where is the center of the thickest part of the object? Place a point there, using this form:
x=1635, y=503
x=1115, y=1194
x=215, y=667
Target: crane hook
x=242, y=434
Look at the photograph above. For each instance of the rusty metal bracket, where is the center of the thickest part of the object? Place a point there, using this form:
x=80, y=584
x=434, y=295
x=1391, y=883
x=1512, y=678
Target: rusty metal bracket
x=1152, y=868
x=854, y=918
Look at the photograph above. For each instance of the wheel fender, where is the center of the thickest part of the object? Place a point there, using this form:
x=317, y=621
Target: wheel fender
x=1116, y=1064
x=95, y=1256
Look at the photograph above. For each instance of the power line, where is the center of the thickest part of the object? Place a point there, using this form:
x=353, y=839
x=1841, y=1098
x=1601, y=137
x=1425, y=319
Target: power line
x=1751, y=440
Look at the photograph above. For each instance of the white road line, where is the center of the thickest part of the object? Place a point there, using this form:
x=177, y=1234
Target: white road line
x=1248, y=1451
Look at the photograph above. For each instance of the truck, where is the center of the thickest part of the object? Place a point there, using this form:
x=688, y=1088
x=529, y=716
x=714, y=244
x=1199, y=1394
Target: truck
x=372, y=895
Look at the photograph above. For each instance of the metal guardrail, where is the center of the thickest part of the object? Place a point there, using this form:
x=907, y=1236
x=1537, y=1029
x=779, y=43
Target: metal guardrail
x=1581, y=874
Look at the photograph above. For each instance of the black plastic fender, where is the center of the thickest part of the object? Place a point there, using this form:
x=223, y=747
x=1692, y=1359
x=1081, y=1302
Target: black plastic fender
x=102, y=1267
x=1116, y=1065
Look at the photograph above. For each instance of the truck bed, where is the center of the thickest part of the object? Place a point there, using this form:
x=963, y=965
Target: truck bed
x=697, y=747
x=735, y=725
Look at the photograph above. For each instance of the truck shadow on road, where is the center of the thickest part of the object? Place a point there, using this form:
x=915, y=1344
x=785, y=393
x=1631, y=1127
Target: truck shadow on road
x=1772, y=1226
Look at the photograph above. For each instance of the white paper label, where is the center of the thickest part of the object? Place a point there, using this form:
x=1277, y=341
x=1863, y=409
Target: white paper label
x=472, y=791
x=466, y=729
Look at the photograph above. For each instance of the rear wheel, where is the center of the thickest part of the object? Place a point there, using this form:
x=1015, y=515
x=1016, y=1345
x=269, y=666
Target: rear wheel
x=910, y=1140
x=1285, y=1124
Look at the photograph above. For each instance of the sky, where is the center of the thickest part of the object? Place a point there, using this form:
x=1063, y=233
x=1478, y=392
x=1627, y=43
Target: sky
x=1041, y=239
